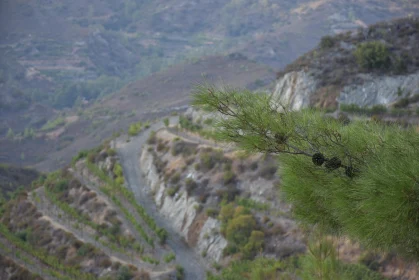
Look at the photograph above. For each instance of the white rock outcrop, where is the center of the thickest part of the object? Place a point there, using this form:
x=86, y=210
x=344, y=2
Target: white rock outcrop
x=382, y=90
x=182, y=211
x=295, y=89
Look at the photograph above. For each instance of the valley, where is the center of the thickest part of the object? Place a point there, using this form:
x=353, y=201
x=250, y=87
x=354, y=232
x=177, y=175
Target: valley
x=151, y=140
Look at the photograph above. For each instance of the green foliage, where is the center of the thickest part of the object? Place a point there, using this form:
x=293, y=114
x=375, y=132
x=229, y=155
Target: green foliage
x=353, y=108
x=187, y=124
x=180, y=272
x=28, y=133
x=252, y=204
x=209, y=159
x=327, y=42
x=69, y=94
x=24, y=235
x=259, y=269
x=124, y=273
x=190, y=185
x=170, y=257
x=321, y=262
x=152, y=139
x=10, y=134
x=175, y=178
x=58, y=268
x=166, y=122
x=172, y=190
x=373, y=55
x=255, y=244
x=371, y=195
x=84, y=250
x=111, y=188
x=239, y=229
x=212, y=212
x=82, y=154
x=183, y=148
x=229, y=177
x=50, y=125
x=134, y=129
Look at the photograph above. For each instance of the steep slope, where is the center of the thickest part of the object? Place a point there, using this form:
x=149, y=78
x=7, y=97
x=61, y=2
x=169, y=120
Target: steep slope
x=373, y=66
x=77, y=223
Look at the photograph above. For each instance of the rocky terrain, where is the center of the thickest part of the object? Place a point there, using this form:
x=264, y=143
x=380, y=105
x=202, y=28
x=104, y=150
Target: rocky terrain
x=332, y=74
x=81, y=222
x=167, y=201
x=62, y=55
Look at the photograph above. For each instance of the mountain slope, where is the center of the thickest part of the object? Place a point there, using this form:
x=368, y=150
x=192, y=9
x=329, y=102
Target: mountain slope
x=377, y=65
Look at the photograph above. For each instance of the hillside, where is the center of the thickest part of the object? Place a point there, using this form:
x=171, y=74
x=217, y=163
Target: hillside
x=51, y=144
x=80, y=222
x=373, y=70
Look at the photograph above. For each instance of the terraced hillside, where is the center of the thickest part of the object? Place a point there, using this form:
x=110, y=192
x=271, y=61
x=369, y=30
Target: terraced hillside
x=81, y=222
x=226, y=206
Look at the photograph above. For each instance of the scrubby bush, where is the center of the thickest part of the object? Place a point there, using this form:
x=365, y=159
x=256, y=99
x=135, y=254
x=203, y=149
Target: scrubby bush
x=229, y=177
x=373, y=55
x=166, y=122
x=175, y=178
x=186, y=123
x=268, y=171
x=124, y=273
x=208, y=159
x=255, y=244
x=190, y=185
x=327, y=42
x=152, y=138
x=170, y=257
x=135, y=128
x=173, y=190
x=212, y=212
x=180, y=272
x=239, y=229
x=181, y=147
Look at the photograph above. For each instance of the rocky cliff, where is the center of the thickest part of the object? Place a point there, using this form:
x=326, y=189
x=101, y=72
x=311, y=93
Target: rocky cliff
x=332, y=74
x=201, y=232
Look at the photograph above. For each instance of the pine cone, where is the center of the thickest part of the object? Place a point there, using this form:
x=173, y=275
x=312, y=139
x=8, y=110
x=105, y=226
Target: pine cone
x=333, y=163
x=280, y=138
x=318, y=159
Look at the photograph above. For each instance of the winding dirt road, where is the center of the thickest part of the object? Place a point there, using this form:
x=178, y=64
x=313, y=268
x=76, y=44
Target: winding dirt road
x=129, y=153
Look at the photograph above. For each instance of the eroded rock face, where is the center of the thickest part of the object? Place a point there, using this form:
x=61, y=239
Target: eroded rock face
x=181, y=210
x=383, y=90
x=294, y=89
x=297, y=89
x=211, y=240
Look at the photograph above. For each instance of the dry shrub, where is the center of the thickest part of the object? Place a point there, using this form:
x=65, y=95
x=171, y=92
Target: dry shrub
x=142, y=275
x=275, y=230
x=105, y=262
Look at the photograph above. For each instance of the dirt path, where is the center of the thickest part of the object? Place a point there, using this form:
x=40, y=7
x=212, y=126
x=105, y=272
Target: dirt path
x=129, y=153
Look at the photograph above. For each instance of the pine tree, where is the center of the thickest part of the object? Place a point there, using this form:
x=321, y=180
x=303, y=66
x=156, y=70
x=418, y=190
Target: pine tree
x=360, y=179
x=10, y=133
